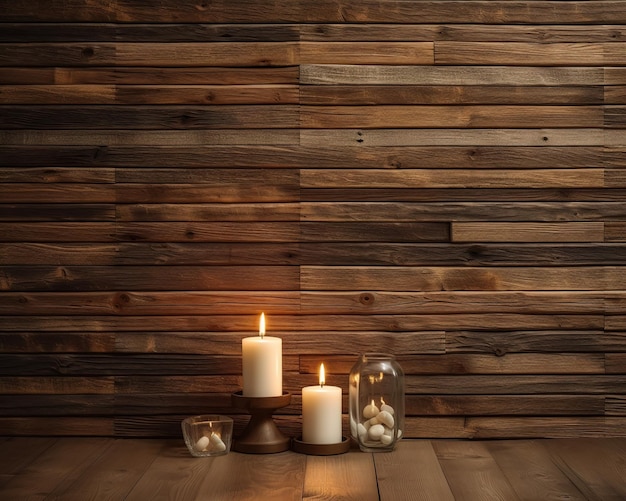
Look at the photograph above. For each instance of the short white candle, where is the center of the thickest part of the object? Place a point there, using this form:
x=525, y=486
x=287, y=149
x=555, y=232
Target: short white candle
x=321, y=413
x=262, y=364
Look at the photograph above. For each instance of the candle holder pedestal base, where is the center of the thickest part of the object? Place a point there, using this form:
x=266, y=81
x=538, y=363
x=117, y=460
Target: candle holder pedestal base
x=261, y=435
x=321, y=449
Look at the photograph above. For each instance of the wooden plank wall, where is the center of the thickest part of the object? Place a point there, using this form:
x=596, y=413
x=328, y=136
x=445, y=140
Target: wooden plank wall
x=443, y=180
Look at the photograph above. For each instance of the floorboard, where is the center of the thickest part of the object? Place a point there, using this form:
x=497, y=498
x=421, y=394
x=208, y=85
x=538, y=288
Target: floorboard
x=85, y=469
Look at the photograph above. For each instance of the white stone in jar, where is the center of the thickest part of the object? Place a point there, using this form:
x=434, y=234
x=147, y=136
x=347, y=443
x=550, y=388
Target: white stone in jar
x=387, y=408
x=370, y=410
x=386, y=439
x=361, y=430
x=376, y=431
x=353, y=427
x=384, y=417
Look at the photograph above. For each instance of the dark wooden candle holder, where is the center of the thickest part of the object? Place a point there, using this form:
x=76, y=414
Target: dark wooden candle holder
x=261, y=435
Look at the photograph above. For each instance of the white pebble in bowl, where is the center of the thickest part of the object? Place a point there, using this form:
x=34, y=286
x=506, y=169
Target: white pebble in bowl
x=216, y=443
x=202, y=444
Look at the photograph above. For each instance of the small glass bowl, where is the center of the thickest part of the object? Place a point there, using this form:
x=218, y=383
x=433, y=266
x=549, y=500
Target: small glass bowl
x=208, y=435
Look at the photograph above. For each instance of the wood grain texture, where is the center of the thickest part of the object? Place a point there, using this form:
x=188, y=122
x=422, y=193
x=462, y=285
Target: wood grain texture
x=415, y=470
x=441, y=180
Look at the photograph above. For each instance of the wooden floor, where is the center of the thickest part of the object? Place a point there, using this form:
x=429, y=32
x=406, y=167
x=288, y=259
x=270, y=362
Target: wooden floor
x=439, y=470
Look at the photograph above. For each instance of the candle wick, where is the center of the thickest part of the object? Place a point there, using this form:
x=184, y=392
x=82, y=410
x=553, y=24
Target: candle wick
x=321, y=384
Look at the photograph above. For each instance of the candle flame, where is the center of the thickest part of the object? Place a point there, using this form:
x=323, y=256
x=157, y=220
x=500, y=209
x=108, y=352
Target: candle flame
x=262, y=325
x=322, y=375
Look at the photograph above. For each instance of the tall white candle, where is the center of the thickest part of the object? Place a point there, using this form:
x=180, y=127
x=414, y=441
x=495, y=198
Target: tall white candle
x=321, y=413
x=262, y=364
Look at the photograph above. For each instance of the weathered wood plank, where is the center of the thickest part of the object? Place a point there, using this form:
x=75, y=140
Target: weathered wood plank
x=515, y=384
x=460, y=195
x=328, y=342
x=527, y=232
x=151, y=54
x=148, y=76
x=382, y=302
x=484, y=254
x=57, y=94
x=312, y=74
x=338, y=32
x=615, y=231
x=389, y=323
x=157, y=138
x=211, y=212
x=46, y=342
x=462, y=215
x=149, y=303
x=73, y=426
x=57, y=175
x=500, y=343
x=374, y=232
x=399, y=53
x=102, y=278
x=61, y=385
x=615, y=363
x=447, y=94
x=451, y=278
x=283, y=231
x=452, y=178
x=314, y=253
x=150, y=117
x=156, y=94
x=326, y=11
x=111, y=365
x=57, y=405
x=520, y=363
x=161, y=32
x=59, y=192
x=58, y=231
x=57, y=212
x=512, y=138
x=245, y=179
x=520, y=53
x=615, y=405
x=510, y=405
x=385, y=116
x=332, y=156
x=545, y=427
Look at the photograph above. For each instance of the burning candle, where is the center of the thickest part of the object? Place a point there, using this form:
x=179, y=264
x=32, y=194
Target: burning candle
x=262, y=364
x=321, y=413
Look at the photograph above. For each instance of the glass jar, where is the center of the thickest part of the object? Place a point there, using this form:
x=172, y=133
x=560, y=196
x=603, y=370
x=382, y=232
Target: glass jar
x=376, y=399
